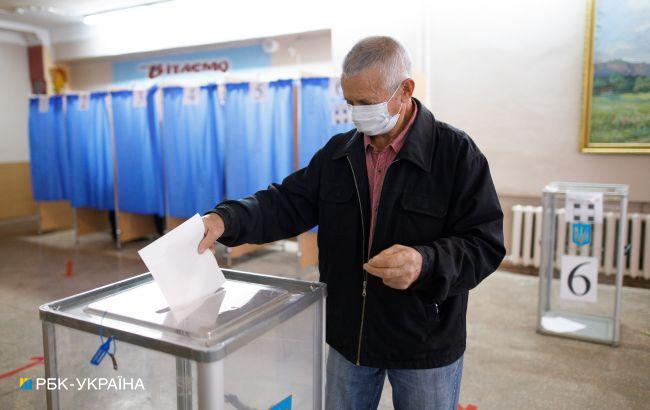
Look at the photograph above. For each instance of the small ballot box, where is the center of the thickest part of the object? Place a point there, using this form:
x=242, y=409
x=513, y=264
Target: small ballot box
x=584, y=233
x=257, y=343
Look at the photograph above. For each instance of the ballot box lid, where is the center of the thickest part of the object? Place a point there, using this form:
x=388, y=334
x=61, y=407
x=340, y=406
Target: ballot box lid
x=135, y=311
x=614, y=190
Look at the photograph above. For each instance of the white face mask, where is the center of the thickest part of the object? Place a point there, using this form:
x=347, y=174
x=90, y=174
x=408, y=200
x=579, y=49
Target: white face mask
x=374, y=119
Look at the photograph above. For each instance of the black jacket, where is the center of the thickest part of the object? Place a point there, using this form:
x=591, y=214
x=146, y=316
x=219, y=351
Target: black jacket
x=437, y=197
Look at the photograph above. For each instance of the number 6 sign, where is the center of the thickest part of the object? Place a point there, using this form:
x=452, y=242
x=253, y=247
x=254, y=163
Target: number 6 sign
x=579, y=278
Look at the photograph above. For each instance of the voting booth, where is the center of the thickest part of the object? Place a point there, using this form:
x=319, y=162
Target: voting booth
x=256, y=343
x=578, y=220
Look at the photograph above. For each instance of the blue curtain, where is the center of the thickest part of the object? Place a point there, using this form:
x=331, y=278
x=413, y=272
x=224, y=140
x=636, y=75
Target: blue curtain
x=91, y=156
x=48, y=148
x=259, y=136
x=192, y=150
x=138, y=153
x=320, y=116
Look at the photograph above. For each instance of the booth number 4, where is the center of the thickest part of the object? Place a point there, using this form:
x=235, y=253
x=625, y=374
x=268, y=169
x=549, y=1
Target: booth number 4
x=579, y=278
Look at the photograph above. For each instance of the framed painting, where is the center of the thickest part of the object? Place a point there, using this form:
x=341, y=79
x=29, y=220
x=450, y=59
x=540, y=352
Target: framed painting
x=616, y=90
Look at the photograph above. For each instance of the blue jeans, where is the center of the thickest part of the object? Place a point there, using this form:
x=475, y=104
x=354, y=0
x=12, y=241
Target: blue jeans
x=352, y=387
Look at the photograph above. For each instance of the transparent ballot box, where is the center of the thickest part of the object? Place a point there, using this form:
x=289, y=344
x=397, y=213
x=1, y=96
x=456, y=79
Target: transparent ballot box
x=584, y=237
x=257, y=343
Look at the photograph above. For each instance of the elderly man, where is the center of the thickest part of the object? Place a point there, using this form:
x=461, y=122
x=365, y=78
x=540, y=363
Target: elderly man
x=409, y=222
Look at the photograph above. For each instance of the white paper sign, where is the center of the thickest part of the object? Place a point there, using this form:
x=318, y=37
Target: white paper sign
x=43, y=103
x=84, y=101
x=579, y=278
x=335, y=91
x=221, y=93
x=341, y=114
x=584, y=207
x=191, y=96
x=259, y=91
x=139, y=98
x=186, y=278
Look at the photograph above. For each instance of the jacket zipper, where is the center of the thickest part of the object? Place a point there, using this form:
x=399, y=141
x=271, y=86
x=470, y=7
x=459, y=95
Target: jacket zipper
x=363, y=259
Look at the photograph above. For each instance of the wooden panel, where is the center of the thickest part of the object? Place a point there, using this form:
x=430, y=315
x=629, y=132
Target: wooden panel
x=308, y=249
x=135, y=226
x=173, y=222
x=92, y=220
x=55, y=215
x=16, y=191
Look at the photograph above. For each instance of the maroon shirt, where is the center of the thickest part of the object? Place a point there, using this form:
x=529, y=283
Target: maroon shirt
x=377, y=162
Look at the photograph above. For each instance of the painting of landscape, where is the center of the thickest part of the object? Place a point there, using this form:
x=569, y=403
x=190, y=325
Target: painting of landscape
x=619, y=114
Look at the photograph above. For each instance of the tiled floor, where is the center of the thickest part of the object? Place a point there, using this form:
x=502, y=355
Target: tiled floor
x=507, y=364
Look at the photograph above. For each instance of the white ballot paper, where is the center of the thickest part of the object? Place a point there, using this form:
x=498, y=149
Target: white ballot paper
x=186, y=278
x=559, y=324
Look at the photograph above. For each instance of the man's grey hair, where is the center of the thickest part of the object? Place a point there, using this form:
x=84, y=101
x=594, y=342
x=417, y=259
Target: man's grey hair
x=384, y=53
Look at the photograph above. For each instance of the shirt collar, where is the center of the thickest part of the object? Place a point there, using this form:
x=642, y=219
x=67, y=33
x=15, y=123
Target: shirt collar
x=418, y=147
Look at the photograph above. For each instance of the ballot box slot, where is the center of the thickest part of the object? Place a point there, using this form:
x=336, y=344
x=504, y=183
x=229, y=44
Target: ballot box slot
x=144, y=304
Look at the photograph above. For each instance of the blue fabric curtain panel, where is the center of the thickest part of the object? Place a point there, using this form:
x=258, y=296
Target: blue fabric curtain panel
x=138, y=152
x=323, y=115
x=91, y=156
x=259, y=135
x=48, y=148
x=192, y=150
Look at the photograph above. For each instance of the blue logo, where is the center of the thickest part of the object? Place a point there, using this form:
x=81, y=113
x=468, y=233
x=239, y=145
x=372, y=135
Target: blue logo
x=25, y=383
x=581, y=234
x=285, y=404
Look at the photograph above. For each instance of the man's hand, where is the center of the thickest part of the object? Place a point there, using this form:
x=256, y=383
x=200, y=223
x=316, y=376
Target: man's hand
x=214, y=228
x=398, y=266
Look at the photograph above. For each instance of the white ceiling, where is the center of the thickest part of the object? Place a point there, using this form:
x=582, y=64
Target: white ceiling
x=58, y=24
x=55, y=13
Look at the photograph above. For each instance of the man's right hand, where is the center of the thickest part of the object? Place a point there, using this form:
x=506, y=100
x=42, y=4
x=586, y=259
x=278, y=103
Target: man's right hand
x=214, y=228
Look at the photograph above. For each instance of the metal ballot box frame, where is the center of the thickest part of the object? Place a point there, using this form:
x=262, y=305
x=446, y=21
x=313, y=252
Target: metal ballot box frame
x=258, y=342
x=563, y=239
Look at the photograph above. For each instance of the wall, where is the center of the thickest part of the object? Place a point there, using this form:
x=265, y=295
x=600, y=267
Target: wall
x=15, y=196
x=89, y=75
x=510, y=74
x=14, y=83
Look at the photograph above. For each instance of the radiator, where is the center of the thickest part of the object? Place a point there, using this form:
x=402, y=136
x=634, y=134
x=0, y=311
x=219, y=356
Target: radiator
x=525, y=248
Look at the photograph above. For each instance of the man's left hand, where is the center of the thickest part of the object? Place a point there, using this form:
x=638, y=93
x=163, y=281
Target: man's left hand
x=398, y=266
